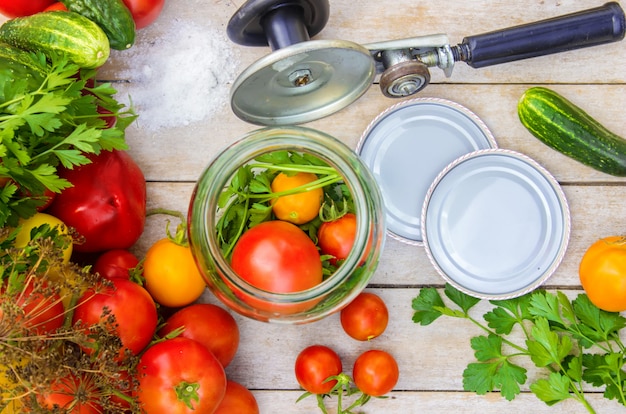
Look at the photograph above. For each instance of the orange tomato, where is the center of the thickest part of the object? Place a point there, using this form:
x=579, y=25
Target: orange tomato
x=300, y=206
x=172, y=277
x=602, y=273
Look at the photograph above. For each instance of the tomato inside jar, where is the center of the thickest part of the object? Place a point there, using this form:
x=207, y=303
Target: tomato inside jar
x=254, y=220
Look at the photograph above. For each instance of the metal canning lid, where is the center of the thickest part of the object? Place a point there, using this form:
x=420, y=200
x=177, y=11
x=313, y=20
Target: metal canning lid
x=302, y=82
x=496, y=224
x=407, y=145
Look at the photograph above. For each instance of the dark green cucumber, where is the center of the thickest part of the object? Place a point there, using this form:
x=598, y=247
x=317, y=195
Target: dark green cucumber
x=59, y=32
x=567, y=128
x=112, y=16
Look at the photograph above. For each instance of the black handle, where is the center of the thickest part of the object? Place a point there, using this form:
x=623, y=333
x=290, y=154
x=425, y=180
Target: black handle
x=586, y=28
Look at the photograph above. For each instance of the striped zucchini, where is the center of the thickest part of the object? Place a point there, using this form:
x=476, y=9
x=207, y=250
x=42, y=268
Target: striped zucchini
x=567, y=128
x=61, y=32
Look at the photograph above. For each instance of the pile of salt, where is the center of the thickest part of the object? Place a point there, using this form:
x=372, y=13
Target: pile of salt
x=178, y=78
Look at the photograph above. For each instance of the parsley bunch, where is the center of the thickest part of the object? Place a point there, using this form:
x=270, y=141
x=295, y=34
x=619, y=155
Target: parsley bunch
x=573, y=340
x=51, y=118
x=245, y=202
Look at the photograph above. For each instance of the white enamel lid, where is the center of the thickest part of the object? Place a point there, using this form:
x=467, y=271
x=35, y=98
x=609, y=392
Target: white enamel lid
x=407, y=145
x=496, y=224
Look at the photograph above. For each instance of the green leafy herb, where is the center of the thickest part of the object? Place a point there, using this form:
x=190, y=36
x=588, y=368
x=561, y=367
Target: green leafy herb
x=52, y=119
x=246, y=201
x=573, y=340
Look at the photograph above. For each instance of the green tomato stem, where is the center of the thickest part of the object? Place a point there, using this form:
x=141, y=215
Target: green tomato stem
x=180, y=237
x=187, y=392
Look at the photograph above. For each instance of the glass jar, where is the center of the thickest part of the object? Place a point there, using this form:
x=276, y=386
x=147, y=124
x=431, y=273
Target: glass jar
x=335, y=291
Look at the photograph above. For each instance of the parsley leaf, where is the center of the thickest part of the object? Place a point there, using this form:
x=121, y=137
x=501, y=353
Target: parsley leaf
x=494, y=371
x=464, y=301
x=427, y=306
x=552, y=390
x=556, y=333
x=49, y=119
x=547, y=347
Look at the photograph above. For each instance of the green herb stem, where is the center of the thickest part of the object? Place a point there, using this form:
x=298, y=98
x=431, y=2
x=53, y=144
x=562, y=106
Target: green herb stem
x=319, y=183
x=523, y=351
x=313, y=169
x=240, y=229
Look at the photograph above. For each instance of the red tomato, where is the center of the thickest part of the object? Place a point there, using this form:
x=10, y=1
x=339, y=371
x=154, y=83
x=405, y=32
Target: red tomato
x=56, y=6
x=336, y=237
x=115, y=263
x=179, y=376
x=314, y=365
x=74, y=394
x=238, y=399
x=208, y=324
x=375, y=372
x=278, y=257
x=106, y=204
x=42, y=314
x=18, y=8
x=134, y=310
x=366, y=317
x=144, y=12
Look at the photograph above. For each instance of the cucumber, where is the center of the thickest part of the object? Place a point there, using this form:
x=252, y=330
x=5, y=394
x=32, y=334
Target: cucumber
x=113, y=17
x=60, y=32
x=567, y=128
x=19, y=68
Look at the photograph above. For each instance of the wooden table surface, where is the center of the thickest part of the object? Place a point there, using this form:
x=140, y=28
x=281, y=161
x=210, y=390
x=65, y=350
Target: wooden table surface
x=431, y=359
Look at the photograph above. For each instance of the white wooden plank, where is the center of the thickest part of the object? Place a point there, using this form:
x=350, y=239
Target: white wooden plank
x=592, y=213
x=428, y=402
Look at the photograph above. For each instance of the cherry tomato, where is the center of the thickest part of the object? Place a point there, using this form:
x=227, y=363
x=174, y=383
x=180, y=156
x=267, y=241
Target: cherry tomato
x=74, y=394
x=56, y=6
x=144, y=12
x=115, y=263
x=171, y=274
x=314, y=365
x=277, y=256
x=336, y=237
x=37, y=220
x=238, y=399
x=18, y=8
x=300, y=207
x=179, y=376
x=134, y=310
x=602, y=273
x=366, y=317
x=375, y=372
x=208, y=324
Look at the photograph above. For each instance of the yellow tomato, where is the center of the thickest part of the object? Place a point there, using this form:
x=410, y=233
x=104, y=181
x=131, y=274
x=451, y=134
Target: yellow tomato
x=602, y=273
x=300, y=207
x=172, y=277
x=37, y=220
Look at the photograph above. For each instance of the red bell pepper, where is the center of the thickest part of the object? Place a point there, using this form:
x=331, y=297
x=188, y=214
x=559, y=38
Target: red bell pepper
x=107, y=203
